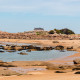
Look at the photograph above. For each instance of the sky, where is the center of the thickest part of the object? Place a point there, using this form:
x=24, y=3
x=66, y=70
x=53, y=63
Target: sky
x=25, y=15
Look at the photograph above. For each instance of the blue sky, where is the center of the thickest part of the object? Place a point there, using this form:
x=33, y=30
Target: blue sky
x=24, y=15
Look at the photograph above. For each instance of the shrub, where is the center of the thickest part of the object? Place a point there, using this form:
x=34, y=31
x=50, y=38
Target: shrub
x=67, y=31
x=64, y=31
x=51, y=32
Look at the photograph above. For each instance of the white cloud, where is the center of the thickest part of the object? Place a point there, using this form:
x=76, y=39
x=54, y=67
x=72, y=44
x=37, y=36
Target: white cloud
x=50, y=7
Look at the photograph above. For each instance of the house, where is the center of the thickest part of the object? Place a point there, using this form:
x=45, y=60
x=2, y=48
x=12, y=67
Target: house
x=38, y=29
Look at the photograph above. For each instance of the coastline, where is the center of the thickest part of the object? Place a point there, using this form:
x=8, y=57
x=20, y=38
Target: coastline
x=65, y=43
x=42, y=74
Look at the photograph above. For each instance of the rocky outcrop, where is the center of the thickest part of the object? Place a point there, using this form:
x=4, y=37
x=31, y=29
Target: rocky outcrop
x=26, y=47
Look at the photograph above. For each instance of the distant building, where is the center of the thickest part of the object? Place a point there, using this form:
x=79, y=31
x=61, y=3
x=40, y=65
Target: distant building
x=38, y=29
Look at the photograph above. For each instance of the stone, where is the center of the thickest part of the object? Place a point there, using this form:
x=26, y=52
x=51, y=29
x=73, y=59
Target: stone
x=55, y=41
x=75, y=69
x=70, y=48
x=18, y=48
x=23, y=53
x=77, y=72
x=76, y=61
x=1, y=51
x=28, y=50
x=59, y=47
x=60, y=72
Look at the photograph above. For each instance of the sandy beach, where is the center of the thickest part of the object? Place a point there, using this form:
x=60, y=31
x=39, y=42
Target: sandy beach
x=46, y=74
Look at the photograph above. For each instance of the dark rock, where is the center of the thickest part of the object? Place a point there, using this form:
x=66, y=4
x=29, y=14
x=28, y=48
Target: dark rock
x=59, y=47
x=39, y=48
x=70, y=48
x=11, y=51
x=60, y=72
x=47, y=48
x=13, y=46
x=8, y=45
x=30, y=47
x=55, y=41
x=28, y=50
x=1, y=48
x=76, y=61
x=23, y=53
x=24, y=46
x=1, y=45
x=76, y=69
x=77, y=72
x=1, y=51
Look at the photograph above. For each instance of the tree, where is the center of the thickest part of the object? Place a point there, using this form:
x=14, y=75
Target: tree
x=67, y=31
x=64, y=31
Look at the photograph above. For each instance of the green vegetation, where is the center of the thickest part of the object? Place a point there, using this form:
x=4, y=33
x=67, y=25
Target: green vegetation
x=38, y=33
x=67, y=31
x=58, y=31
x=62, y=31
x=51, y=32
x=41, y=33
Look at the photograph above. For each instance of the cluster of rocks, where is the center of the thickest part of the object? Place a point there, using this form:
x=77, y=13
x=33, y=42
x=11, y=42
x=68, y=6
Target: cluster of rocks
x=25, y=47
x=63, y=68
x=60, y=47
x=29, y=48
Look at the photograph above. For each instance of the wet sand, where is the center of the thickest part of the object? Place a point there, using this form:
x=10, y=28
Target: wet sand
x=47, y=74
x=44, y=75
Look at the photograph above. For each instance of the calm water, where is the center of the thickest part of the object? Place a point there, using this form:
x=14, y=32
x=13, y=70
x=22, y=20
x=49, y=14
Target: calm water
x=34, y=55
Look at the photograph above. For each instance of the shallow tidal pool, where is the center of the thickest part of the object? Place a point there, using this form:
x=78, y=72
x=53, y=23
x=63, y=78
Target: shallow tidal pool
x=34, y=55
